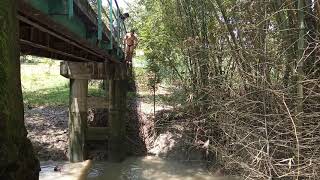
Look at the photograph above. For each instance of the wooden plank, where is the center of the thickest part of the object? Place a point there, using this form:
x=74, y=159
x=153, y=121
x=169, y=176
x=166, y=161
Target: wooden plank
x=97, y=133
x=97, y=102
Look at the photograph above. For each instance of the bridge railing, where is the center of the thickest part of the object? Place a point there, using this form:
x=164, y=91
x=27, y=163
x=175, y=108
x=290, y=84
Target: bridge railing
x=110, y=16
x=116, y=24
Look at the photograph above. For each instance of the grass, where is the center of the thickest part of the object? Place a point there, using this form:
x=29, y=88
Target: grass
x=42, y=84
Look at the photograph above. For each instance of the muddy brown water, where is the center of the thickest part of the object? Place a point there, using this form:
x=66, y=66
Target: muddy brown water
x=134, y=168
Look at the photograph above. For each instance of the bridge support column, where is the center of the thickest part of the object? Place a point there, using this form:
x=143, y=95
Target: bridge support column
x=78, y=119
x=79, y=73
x=117, y=120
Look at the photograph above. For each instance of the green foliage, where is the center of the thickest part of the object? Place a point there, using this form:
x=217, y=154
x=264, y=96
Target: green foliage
x=42, y=84
x=220, y=52
x=95, y=89
x=202, y=44
x=156, y=39
x=141, y=78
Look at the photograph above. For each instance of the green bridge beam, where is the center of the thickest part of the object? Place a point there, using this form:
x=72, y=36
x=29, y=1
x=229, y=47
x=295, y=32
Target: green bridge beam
x=62, y=12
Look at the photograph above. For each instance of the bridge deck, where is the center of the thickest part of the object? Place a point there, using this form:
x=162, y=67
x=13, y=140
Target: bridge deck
x=46, y=30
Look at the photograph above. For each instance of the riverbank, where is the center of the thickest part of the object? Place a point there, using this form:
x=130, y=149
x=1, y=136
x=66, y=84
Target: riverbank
x=155, y=130
x=48, y=128
x=48, y=131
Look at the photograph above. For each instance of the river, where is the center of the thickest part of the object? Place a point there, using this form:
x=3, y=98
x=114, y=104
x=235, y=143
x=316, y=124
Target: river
x=134, y=168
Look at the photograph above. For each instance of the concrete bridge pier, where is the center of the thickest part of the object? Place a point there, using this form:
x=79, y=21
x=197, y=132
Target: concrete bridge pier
x=117, y=120
x=78, y=119
x=79, y=133
x=118, y=86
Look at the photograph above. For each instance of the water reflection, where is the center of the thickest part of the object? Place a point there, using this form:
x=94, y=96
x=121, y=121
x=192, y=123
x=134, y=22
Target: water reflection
x=64, y=170
x=135, y=168
x=147, y=168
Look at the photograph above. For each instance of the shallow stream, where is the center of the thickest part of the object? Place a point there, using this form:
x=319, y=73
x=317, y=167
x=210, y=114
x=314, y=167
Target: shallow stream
x=135, y=168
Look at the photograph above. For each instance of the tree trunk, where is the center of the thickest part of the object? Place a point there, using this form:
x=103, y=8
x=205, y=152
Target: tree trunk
x=17, y=160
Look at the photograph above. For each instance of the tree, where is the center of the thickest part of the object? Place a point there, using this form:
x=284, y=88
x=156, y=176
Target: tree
x=256, y=62
x=17, y=160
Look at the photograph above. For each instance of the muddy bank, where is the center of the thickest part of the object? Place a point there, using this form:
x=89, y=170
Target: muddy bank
x=47, y=128
x=162, y=135
x=48, y=131
x=168, y=137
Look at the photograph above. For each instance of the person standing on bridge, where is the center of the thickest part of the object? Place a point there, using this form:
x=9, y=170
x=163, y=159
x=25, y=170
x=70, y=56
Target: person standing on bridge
x=130, y=41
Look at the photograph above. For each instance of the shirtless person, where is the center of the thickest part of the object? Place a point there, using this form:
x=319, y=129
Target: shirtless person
x=130, y=41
